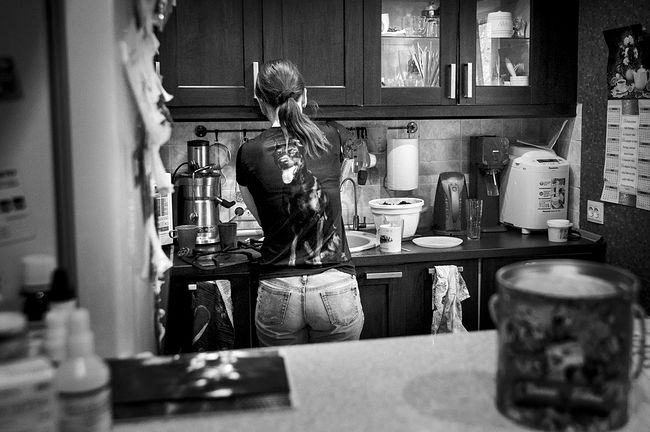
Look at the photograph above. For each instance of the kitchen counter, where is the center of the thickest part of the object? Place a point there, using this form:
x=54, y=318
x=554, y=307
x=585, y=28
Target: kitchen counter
x=417, y=383
x=394, y=311
x=502, y=244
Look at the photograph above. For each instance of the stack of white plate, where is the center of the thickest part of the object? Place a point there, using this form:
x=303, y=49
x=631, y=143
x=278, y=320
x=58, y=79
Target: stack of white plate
x=519, y=80
x=499, y=24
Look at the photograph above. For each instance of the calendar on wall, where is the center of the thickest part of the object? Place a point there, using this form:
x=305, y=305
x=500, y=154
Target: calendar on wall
x=626, y=171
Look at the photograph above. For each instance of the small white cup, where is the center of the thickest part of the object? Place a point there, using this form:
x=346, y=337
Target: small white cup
x=390, y=238
x=558, y=230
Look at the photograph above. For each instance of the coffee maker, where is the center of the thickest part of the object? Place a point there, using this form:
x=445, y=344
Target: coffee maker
x=488, y=156
x=449, y=204
x=198, y=191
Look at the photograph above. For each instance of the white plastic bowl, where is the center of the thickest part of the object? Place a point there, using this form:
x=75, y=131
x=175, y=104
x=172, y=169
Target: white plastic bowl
x=409, y=213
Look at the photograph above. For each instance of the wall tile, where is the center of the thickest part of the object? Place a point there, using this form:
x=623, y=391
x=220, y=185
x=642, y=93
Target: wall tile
x=492, y=127
x=470, y=127
x=444, y=146
x=448, y=128
x=512, y=128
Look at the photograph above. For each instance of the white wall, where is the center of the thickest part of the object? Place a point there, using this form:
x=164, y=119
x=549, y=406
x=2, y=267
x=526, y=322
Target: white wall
x=110, y=244
x=25, y=137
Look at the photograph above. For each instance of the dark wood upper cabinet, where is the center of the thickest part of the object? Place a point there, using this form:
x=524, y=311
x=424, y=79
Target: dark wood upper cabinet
x=325, y=40
x=209, y=52
x=209, y=49
x=546, y=51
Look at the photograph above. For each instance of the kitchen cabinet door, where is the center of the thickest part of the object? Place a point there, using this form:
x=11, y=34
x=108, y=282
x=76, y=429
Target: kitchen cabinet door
x=532, y=63
x=471, y=58
x=325, y=40
x=381, y=296
x=409, y=64
x=207, y=51
x=397, y=300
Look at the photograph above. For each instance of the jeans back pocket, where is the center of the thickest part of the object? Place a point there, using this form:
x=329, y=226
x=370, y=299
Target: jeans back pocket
x=271, y=304
x=342, y=305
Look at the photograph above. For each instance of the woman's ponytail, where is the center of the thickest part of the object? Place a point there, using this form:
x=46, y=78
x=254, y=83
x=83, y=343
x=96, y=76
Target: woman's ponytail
x=280, y=85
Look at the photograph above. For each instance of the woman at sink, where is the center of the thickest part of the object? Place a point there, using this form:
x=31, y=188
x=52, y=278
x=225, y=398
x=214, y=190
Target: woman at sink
x=289, y=179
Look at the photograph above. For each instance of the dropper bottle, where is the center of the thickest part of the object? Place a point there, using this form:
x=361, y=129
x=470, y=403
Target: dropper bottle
x=83, y=381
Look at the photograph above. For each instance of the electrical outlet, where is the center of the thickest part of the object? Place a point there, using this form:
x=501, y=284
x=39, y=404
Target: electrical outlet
x=595, y=212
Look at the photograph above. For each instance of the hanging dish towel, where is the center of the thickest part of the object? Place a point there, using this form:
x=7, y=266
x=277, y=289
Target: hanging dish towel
x=448, y=291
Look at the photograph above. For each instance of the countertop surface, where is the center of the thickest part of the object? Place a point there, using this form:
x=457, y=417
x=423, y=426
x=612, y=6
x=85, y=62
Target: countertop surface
x=417, y=383
x=510, y=243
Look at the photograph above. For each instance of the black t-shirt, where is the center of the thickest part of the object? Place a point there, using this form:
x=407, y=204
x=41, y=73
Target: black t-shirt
x=298, y=202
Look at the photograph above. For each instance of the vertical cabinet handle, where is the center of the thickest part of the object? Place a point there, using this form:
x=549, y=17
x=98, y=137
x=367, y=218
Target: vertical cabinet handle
x=468, y=80
x=452, y=81
x=256, y=70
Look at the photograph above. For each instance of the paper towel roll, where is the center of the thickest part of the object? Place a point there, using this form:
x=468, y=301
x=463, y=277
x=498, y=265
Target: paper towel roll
x=402, y=164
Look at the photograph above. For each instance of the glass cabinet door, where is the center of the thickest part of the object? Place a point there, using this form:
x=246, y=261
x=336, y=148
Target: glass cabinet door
x=410, y=43
x=503, y=42
x=409, y=47
x=495, y=54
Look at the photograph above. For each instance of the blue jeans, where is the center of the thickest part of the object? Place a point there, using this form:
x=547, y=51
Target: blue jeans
x=324, y=307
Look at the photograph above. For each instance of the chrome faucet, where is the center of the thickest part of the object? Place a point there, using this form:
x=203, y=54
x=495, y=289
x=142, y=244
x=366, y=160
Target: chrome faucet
x=356, y=225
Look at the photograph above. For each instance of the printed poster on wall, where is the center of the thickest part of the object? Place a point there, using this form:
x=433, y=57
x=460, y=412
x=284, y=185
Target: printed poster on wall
x=626, y=172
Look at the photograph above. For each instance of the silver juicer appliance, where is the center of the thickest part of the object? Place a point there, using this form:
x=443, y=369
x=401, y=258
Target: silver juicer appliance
x=488, y=156
x=198, y=191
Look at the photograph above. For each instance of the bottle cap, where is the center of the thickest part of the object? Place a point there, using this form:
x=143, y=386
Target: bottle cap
x=37, y=271
x=60, y=289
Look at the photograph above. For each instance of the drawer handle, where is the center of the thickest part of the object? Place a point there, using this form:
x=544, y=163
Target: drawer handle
x=433, y=270
x=384, y=275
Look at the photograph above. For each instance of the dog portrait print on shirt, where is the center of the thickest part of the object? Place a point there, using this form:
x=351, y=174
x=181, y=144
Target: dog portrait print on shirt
x=315, y=240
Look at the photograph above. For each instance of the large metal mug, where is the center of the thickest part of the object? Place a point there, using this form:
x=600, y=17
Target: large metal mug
x=565, y=353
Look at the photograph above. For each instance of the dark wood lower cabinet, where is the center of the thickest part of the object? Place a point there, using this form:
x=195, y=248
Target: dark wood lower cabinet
x=396, y=298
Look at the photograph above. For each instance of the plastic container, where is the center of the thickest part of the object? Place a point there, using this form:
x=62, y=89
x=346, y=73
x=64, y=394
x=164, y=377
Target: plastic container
x=558, y=230
x=499, y=24
x=27, y=397
x=13, y=336
x=83, y=381
x=408, y=209
x=27, y=401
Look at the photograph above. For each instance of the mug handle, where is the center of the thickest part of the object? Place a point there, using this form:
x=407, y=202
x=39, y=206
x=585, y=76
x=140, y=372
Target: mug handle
x=173, y=234
x=639, y=314
x=492, y=307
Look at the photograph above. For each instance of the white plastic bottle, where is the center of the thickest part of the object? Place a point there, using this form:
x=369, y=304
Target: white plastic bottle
x=55, y=340
x=27, y=401
x=83, y=381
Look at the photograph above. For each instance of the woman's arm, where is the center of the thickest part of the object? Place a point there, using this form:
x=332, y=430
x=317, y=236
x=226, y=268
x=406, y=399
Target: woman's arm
x=250, y=202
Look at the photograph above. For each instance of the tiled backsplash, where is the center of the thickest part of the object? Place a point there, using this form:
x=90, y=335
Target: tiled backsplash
x=443, y=146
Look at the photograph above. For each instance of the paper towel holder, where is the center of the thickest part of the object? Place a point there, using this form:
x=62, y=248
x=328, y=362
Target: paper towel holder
x=411, y=127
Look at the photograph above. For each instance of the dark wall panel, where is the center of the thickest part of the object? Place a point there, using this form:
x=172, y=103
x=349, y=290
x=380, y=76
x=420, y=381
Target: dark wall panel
x=626, y=229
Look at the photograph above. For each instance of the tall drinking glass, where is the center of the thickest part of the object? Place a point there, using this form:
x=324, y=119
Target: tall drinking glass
x=474, y=214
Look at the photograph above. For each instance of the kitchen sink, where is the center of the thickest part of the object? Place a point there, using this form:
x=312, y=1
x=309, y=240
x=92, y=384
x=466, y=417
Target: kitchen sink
x=360, y=241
